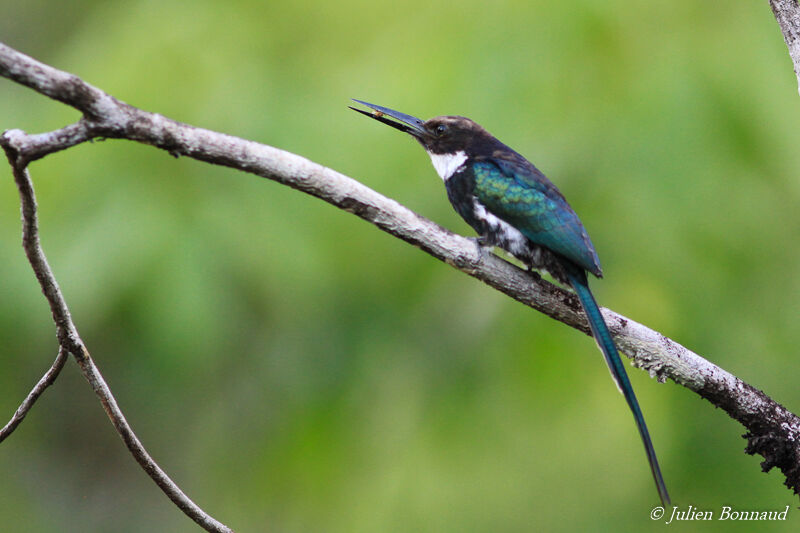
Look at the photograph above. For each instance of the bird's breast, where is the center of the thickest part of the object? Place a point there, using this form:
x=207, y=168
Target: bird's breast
x=499, y=232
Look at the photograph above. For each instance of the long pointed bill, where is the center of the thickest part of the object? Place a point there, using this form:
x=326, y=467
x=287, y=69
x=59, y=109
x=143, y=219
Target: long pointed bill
x=401, y=121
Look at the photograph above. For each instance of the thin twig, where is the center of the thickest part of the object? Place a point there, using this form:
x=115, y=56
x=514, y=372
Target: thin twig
x=46, y=380
x=169, y=487
x=67, y=334
x=70, y=342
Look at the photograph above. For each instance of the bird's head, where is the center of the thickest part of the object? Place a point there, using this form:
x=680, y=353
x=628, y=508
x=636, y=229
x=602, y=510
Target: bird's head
x=439, y=135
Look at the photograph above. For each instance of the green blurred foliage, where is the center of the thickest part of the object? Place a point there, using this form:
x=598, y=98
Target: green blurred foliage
x=296, y=370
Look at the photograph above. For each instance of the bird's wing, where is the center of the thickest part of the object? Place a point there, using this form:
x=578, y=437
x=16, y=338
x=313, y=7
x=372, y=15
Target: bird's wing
x=514, y=190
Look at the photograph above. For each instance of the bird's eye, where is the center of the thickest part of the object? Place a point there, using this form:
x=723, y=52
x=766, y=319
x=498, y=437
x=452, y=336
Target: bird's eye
x=440, y=129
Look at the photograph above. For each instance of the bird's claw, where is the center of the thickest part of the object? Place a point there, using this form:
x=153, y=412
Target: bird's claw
x=482, y=244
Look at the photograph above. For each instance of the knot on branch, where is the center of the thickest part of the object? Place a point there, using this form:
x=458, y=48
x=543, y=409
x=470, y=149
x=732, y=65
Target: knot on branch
x=655, y=367
x=359, y=208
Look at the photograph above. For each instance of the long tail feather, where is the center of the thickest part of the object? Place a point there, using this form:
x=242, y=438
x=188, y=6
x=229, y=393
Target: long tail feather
x=577, y=278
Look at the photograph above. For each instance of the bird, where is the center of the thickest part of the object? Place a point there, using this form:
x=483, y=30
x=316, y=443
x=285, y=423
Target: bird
x=513, y=206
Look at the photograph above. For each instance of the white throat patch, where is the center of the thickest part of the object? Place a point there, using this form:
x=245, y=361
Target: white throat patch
x=448, y=164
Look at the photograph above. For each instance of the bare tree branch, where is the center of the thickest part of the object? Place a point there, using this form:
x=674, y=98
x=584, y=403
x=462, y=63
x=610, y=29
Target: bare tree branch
x=773, y=431
x=787, y=13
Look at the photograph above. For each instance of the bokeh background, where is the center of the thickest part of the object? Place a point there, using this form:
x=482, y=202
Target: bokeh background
x=296, y=370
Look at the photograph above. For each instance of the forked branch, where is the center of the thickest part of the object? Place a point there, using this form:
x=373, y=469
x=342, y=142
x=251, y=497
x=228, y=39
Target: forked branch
x=71, y=343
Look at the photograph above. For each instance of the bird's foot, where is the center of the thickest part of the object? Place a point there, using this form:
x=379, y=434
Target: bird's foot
x=533, y=271
x=482, y=244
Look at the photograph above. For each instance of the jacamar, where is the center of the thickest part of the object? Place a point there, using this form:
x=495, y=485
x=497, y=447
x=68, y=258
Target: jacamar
x=512, y=205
